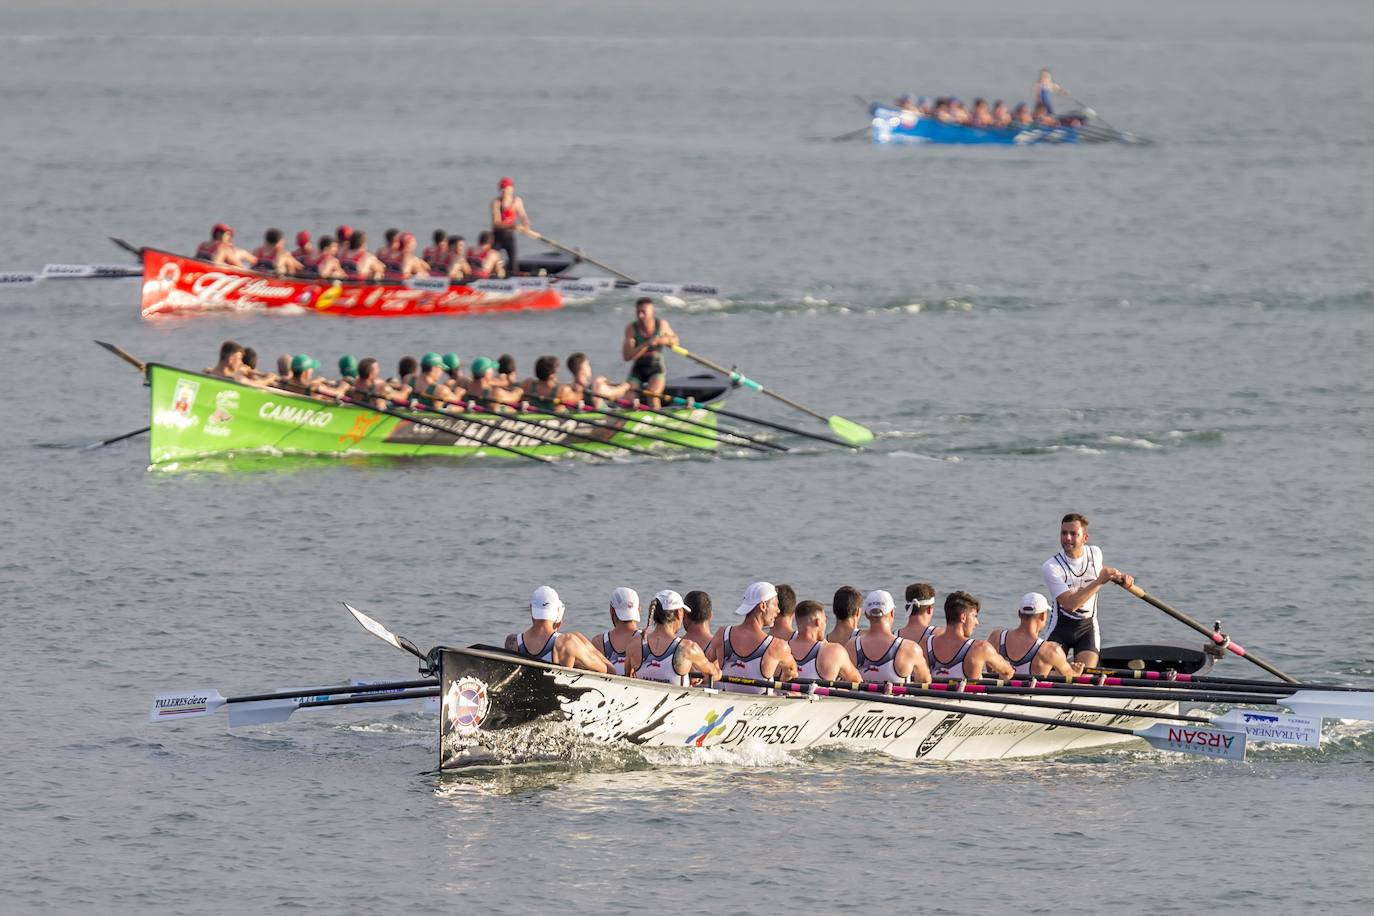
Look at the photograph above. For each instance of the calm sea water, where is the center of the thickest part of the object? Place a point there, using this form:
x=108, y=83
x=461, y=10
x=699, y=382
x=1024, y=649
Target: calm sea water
x=1173, y=339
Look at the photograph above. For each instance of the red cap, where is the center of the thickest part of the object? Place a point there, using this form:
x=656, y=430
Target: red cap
x=218, y=228
x=507, y=183
x=407, y=238
x=302, y=238
x=343, y=232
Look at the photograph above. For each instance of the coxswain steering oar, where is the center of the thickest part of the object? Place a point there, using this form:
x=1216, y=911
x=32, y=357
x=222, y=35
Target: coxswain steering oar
x=1201, y=741
x=579, y=255
x=400, y=642
x=853, y=434
x=1214, y=634
x=138, y=432
x=124, y=355
x=277, y=706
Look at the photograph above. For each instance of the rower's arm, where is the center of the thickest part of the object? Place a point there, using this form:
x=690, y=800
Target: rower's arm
x=716, y=651
x=628, y=350
x=985, y=656
x=522, y=222
x=1053, y=655
x=666, y=335
x=920, y=671
x=845, y=669
x=689, y=659
x=633, y=658
x=579, y=652
x=786, y=666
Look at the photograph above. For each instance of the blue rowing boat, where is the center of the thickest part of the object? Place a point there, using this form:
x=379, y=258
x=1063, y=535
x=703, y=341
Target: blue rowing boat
x=892, y=125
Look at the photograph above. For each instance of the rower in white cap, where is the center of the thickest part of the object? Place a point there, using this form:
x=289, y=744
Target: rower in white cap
x=816, y=658
x=1025, y=649
x=662, y=655
x=624, y=627
x=544, y=641
x=745, y=649
x=920, y=608
x=881, y=655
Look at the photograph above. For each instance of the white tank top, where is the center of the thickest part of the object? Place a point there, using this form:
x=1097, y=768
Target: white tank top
x=1062, y=573
x=879, y=670
x=1022, y=665
x=617, y=659
x=806, y=667
x=942, y=670
x=750, y=666
x=659, y=667
x=544, y=655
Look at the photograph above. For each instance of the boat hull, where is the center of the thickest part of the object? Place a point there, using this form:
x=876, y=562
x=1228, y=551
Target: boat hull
x=893, y=126
x=490, y=699
x=175, y=285
x=194, y=415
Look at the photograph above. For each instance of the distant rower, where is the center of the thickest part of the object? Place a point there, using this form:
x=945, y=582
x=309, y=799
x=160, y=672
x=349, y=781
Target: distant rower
x=507, y=218
x=645, y=337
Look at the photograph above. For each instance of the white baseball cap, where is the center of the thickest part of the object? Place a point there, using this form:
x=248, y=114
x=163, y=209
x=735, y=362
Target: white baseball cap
x=545, y=604
x=878, y=604
x=625, y=603
x=1033, y=603
x=669, y=600
x=757, y=593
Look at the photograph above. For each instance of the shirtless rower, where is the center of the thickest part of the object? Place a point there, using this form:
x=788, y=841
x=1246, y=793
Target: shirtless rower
x=592, y=390
x=483, y=261
x=848, y=603
x=953, y=653
x=358, y=261
x=1073, y=577
x=302, y=379
x=205, y=251
x=696, y=622
x=745, y=649
x=272, y=256
x=402, y=260
x=546, y=642
x=431, y=389
x=230, y=363
x=624, y=628
x=1025, y=649
x=483, y=388
x=507, y=218
x=785, y=626
x=645, y=337
x=920, y=608
x=305, y=252
x=660, y=654
x=881, y=655
x=456, y=260
x=229, y=254
x=327, y=264
x=816, y=658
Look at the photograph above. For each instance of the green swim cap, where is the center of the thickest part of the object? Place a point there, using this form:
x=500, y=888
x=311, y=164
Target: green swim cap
x=430, y=360
x=480, y=365
x=348, y=365
x=451, y=362
x=302, y=361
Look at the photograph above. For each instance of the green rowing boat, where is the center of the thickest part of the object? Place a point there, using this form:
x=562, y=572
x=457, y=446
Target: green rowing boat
x=194, y=415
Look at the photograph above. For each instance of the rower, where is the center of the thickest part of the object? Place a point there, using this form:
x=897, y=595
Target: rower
x=696, y=624
x=457, y=378
x=1073, y=577
x=1025, y=649
x=205, y=251
x=953, y=653
x=881, y=655
x=406, y=374
x=389, y=244
x=371, y=387
x=348, y=369
x=745, y=649
x=227, y=254
x=848, y=603
x=303, y=381
x=1045, y=88
x=483, y=261
x=545, y=642
x=507, y=218
x=305, y=252
x=326, y=264
x=272, y=256
x=230, y=363
x=437, y=252
x=431, y=390
x=506, y=372
x=784, y=627
x=544, y=390
x=483, y=388
x=920, y=608
x=344, y=236
x=456, y=260
x=816, y=658
x=358, y=261
x=660, y=654
x=645, y=337
x=403, y=261
x=250, y=374
x=624, y=628
x=589, y=389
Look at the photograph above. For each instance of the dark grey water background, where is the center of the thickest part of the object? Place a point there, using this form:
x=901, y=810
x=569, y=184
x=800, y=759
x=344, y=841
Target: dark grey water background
x=1173, y=339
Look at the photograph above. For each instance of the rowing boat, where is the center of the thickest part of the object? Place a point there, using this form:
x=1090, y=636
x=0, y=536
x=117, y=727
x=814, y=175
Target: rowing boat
x=892, y=125
x=194, y=415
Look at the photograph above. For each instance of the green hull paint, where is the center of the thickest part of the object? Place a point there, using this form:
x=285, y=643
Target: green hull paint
x=195, y=415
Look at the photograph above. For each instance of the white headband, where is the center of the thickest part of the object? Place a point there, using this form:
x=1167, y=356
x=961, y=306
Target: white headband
x=914, y=603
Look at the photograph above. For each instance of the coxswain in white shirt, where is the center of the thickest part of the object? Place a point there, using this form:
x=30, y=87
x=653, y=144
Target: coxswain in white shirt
x=920, y=608
x=816, y=658
x=953, y=652
x=785, y=626
x=745, y=649
x=1073, y=577
x=1026, y=649
x=880, y=655
x=624, y=627
x=661, y=654
x=848, y=605
x=545, y=641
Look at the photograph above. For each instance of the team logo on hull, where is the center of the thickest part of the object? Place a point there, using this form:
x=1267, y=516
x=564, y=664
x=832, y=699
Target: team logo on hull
x=466, y=705
x=715, y=725
x=939, y=731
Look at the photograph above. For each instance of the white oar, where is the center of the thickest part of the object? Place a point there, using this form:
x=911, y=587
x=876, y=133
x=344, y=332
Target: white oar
x=1274, y=727
x=262, y=708
x=1331, y=704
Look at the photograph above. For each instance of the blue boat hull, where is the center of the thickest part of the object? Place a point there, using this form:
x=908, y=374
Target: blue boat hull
x=893, y=126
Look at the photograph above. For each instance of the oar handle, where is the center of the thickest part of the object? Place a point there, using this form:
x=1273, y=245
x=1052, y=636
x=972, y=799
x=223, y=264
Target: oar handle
x=124, y=355
x=748, y=382
x=579, y=255
x=1215, y=636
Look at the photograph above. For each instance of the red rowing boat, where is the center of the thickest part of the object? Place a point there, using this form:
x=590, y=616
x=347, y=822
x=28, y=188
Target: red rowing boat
x=177, y=285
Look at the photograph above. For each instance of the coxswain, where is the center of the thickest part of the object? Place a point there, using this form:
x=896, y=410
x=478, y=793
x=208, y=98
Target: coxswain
x=1025, y=649
x=848, y=604
x=229, y=254
x=1045, y=88
x=645, y=337
x=205, y=251
x=305, y=251
x=661, y=654
x=544, y=640
x=745, y=649
x=327, y=264
x=920, y=608
x=507, y=218
x=457, y=378
x=431, y=389
x=358, y=261
x=371, y=387
x=1073, y=577
x=483, y=260
x=586, y=388
x=696, y=621
x=817, y=658
x=483, y=387
x=437, y=252
x=303, y=381
x=953, y=653
x=458, y=266
x=230, y=363
x=272, y=256
x=882, y=656
x=624, y=628
x=785, y=624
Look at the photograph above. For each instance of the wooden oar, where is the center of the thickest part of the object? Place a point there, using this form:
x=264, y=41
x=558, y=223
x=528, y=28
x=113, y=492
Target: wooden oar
x=579, y=255
x=1214, y=634
x=138, y=432
x=853, y=434
x=124, y=355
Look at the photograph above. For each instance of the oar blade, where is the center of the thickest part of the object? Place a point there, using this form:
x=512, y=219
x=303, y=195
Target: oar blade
x=382, y=633
x=261, y=712
x=853, y=433
x=1331, y=704
x=184, y=704
x=1274, y=727
x=1217, y=743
